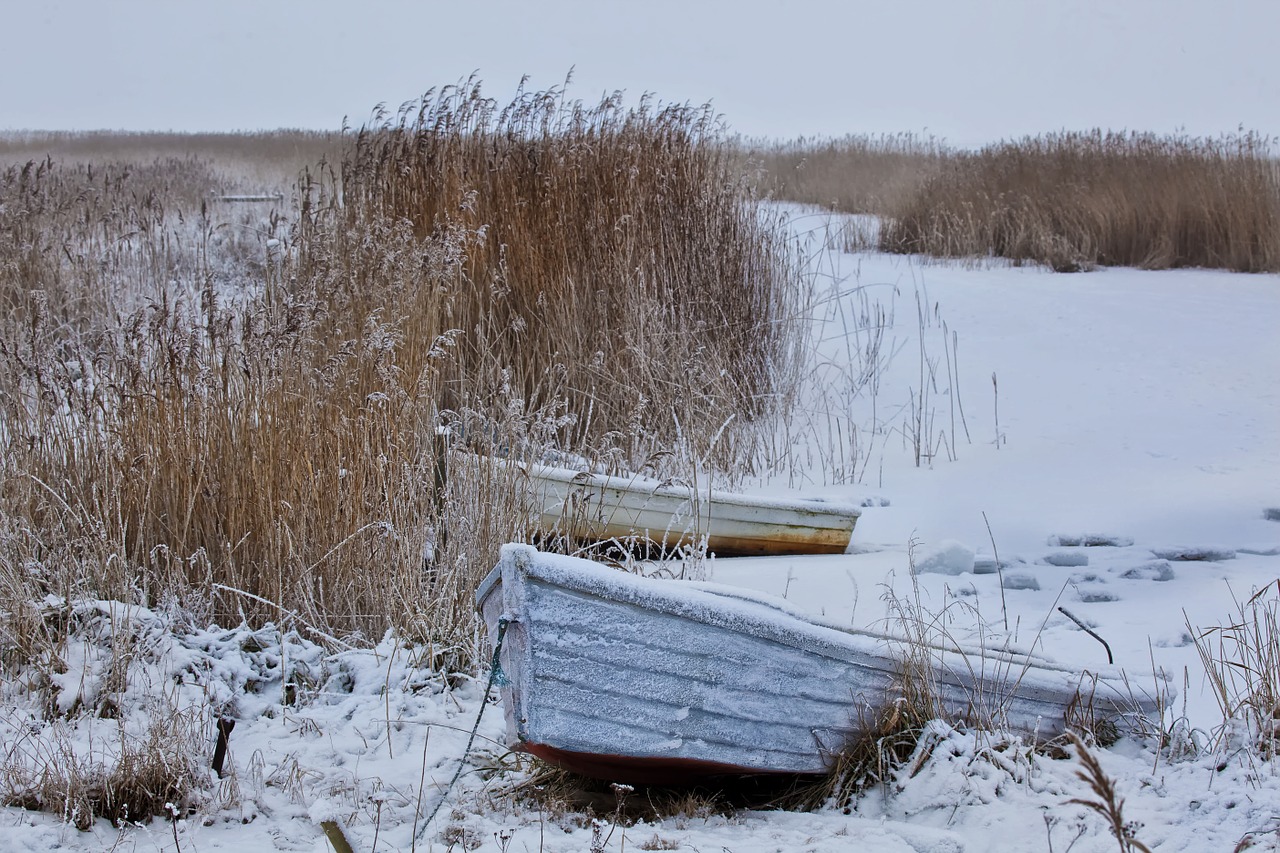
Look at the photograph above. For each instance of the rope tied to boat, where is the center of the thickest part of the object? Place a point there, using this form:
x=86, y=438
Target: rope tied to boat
x=496, y=678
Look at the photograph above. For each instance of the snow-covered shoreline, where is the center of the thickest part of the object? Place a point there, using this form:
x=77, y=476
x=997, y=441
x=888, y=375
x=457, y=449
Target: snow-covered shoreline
x=1139, y=408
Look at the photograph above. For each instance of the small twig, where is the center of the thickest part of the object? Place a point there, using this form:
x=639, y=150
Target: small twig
x=995, y=389
x=387, y=699
x=327, y=554
x=1004, y=609
x=494, y=669
x=951, y=388
x=955, y=350
x=225, y=726
x=290, y=613
x=173, y=822
x=1089, y=631
x=422, y=783
x=336, y=836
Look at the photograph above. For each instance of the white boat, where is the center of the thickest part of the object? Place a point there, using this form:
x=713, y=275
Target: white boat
x=642, y=680
x=587, y=507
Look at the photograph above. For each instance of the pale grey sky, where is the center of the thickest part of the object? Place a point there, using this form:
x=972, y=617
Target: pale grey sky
x=967, y=70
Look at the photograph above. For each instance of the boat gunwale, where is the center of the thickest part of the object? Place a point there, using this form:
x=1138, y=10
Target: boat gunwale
x=641, y=485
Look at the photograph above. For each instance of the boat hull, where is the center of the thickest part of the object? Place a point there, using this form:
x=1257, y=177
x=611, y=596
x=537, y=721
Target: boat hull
x=650, y=681
x=582, y=506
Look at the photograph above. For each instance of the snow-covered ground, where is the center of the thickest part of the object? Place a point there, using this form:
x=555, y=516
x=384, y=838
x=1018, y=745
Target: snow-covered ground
x=1138, y=410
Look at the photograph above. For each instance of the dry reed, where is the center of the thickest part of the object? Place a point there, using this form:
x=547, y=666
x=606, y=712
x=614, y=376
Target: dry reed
x=618, y=263
x=852, y=174
x=1242, y=661
x=248, y=162
x=264, y=416
x=1074, y=201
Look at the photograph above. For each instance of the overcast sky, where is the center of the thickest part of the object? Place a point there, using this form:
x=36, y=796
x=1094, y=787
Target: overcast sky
x=966, y=70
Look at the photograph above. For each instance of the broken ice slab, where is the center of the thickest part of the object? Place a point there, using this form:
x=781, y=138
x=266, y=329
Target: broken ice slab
x=1195, y=554
x=946, y=558
x=1021, y=580
x=1090, y=540
x=1156, y=570
x=985, y=564
x=1067, y=558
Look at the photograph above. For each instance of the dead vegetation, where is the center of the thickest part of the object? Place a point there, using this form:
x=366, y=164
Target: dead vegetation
x=1241, y=659
x=1070, y=201
x=260, y=417
x=246, y=162
x=566, y=796
x=134, y=777
x=852, y=174
x=1076, y=201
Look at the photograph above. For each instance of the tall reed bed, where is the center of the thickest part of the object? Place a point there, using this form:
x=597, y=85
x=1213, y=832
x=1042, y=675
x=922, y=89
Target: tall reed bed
x=620, y=266
x=247, y=162
x=274, y=428
x=852, y=174
x=1077, y=200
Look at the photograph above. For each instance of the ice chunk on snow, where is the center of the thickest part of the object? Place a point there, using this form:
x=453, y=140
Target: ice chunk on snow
x=1067, y=558
x=1091, y=540
x=1095, y=594
x=1156, y=570
x=1021, y=580
x=946, y=558
x=1195, y=554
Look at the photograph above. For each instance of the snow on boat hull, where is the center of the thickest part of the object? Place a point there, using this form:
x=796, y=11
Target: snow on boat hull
x=640, y=680
x=593, y=507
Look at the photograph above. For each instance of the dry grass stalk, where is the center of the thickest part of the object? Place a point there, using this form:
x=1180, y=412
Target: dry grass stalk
x=1108, y=803
x=1242, y=662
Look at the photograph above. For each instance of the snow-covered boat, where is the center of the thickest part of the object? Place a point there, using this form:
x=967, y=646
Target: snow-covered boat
x=636, y=679
x=583, y=506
